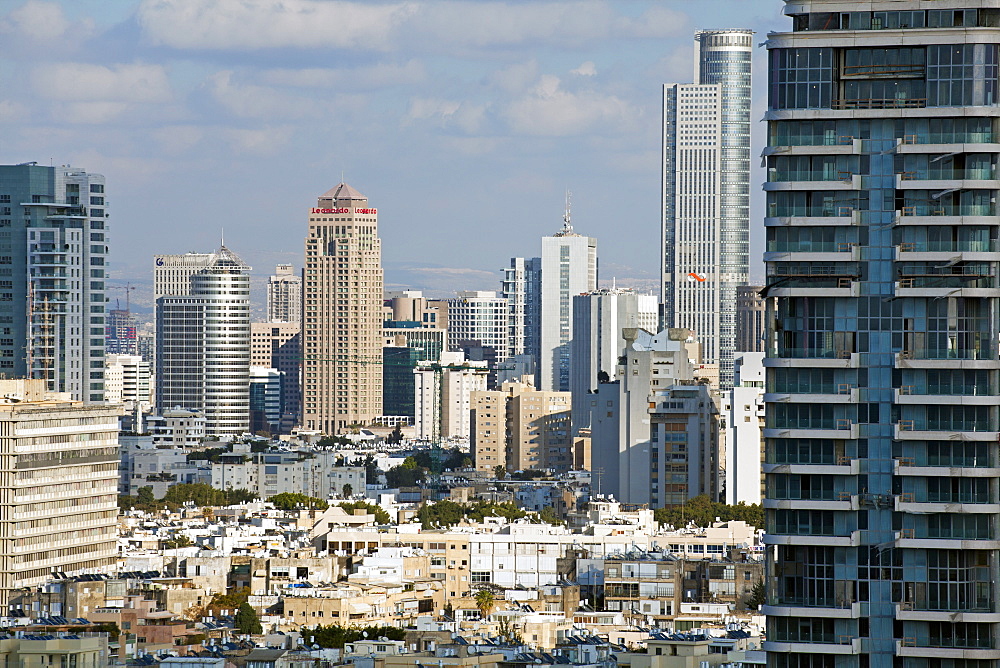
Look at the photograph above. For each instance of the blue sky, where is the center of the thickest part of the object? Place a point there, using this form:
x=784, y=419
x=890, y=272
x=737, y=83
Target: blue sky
x=464, y=122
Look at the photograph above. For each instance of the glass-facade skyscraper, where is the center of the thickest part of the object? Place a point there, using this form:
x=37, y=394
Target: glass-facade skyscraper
x=883, y=378
x=706, y=194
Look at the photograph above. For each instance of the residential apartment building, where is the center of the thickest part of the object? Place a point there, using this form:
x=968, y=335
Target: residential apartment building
x=706, y=194
x=568, y=267
x=520, y=428
x=121, y=333
x=443, y=396
x=744, y=432
x=597, y=341
x=54, y=254
x=882, y=363
x=750, y=313
x=284, y=295
x=203, y=338
x=521, y=287
x=60, y=489
x=278, y=345
x=342, y=313
x=656, y=432
x=478, y=316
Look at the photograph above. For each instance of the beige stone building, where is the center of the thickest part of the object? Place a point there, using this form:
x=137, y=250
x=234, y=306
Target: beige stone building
x=342, y=313
x=520, y=428
x=58, y=485
x=278, y=345
x=80, y=650
x=363, y=604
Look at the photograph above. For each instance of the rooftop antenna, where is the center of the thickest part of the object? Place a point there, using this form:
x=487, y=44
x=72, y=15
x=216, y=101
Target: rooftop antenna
x=567, y=217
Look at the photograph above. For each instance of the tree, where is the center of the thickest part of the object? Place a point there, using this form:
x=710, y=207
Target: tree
x=246, y=620
x=409, y=463
x=757, y=596
x=348, y=490
x=145, y=496
x=485, y=601
x=702, y=511
x=381, y=517
x=549, y=515
x=500, y=471
x=337, y=636
x=177, y=541
x=395, y=436
x=294, y=500
x=401, y=476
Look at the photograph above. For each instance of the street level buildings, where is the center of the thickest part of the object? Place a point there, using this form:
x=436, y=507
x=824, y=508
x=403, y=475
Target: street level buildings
x=882, y=363
x=342, y=313
x=706, y=194
x=203, y=338
x=53, y=259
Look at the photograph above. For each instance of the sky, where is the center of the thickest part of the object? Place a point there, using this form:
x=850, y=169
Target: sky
x=465, y=122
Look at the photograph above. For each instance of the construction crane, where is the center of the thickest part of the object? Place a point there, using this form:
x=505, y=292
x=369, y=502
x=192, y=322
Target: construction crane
x=128, y=288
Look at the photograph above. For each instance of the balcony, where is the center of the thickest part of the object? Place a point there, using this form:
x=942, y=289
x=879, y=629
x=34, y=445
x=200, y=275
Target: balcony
x=936, y=210
x=843, y=466
x=826, y=358
x=813, y=181
x=982, y=357
x=844, y=645
x=844, y=251
x=909, y=395
x=908, y=647
x=947, y=251
x=923, y=430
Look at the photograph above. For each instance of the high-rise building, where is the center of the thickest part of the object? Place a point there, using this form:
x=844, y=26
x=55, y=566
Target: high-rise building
x=480, y=316
x=60, y=510
x=568, y=267
x=278, y=345
x=750, y=310
x=520, y=428
x=744, y=445
x=443, y=394
x=655, y=431
x=521, y=284
x=412, y=306
x=121, y=333
x=706, y=194
x=284, y=295
x=342, y=313
x=203, y=338
x=265, y=399
x=53, y=259
x=598, y=342
x=882, y=370
x=128, y=380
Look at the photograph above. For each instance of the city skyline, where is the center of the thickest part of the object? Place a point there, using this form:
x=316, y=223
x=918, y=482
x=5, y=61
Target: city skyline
x=136, y=93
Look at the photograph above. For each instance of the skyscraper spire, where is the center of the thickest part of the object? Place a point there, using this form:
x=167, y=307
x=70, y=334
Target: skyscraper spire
x=567, y=217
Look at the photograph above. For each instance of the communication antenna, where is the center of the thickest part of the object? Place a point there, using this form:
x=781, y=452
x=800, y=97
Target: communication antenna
x=567, y=216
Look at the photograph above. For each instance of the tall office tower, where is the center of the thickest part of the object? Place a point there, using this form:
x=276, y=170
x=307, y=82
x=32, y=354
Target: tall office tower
x=60, y=511
x=53, y=252
x=520, y=287
x=568, y=267
x=342, y=318
x=278, y=345
x=598, y=343
x=478, y=316
x=520, y=428
x=265, y=399
x=749, y=319
x=882, y=369
x=203, y=338
x=121, y=333
x=284, y=295
x=706, y=194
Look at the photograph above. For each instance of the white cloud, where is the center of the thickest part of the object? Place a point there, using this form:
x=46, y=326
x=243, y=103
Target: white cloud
x=96, y=83
x=36, y=20
x=361, y=78
x=390, y=26
x=264, y=141
x=257, y=24
x=465, y=116
x=550, y=110
x=515, y=78
x=11, y=111
x=264, y=102
x=587, y=69
x=91, y=113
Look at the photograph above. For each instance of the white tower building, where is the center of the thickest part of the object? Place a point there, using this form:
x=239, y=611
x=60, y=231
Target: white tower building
x=569, y=267
x=203, y=338
x=284, y=295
